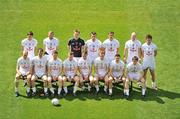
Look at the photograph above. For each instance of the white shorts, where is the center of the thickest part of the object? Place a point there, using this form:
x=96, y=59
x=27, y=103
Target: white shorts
x=150, y=65
x=77, y=59
x=134, y=76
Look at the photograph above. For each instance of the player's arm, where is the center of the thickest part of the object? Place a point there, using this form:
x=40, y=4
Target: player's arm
x=110, y=71
x=155, y=53
x=32, y=70
x=49, y=70
x=17, y=69
x=69, y=45
x=76, y=70
x=142, y=53
x=125, y=54
x=139, y=54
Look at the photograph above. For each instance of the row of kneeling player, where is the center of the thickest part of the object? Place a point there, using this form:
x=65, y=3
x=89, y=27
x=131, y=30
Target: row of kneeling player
x=39, y=68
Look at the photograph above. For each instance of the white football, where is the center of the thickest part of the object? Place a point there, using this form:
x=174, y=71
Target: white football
x=55, y=101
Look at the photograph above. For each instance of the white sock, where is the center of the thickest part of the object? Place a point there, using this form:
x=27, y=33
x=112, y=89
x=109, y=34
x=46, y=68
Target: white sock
x=45, y=89
x=97, y=87
x=89, y=87
x=52, y=90
x=110, y=91
x=75, y=89
x=143, y=91
x=59, y=90
x=154, y=84
x=34, y=89
x=28, y=89
x=105, y=88
x=16, y=89
x=65, y=90
x=127, y=92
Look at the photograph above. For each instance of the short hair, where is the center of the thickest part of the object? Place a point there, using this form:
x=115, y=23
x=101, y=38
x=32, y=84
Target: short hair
x=76, y=30
x=135, y=58
x=148, y=36
x=111, y=32
x=93, y=33
x=30, y=33
x=55, y=52
x=117, y=55
x=102, y=50
x=40, y=49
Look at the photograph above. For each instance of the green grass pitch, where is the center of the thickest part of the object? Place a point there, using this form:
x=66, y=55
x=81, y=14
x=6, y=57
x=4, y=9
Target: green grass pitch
x=157, y=17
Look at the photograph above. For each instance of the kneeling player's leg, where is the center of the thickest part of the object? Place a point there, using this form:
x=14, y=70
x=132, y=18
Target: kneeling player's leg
x=65, y=84
x=33, y=79
x=49, y=81
x=110, y=84
x=91, y=81
x=96, y=81
x=28, y=83
x=45, y=81
x=77, y=81
x=60, y=84
x=126, y=86
x=16, y=81
x=143, y=84
x=106, y=83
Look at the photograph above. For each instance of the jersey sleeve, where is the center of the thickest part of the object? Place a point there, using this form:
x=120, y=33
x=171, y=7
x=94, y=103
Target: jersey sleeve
x=126, y=45
x=118, y=44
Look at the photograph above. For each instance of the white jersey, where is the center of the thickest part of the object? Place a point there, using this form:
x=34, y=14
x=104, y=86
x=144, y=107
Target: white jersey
x=85, y=66
x=131, y=68
x=70, y=67
x=24, y=65
x=117, y=68
x=40, y=65
x=50, y=45
x=132, y=47
x=93, y=48
x=111, y=48
x=55, y=66
x=101, y=66
x=29, y=46
x=148, y=51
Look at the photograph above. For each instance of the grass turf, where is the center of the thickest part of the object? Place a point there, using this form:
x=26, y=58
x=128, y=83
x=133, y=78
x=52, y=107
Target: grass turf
x=157, y=17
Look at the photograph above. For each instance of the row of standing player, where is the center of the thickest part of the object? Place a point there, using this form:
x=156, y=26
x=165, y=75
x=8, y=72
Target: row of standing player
x=132, y=48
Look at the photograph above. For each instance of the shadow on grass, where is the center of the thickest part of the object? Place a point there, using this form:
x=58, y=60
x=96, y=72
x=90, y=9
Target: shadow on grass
x=135, y=94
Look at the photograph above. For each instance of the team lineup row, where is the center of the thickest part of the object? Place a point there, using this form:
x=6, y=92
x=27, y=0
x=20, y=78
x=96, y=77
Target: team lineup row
x=83, y=57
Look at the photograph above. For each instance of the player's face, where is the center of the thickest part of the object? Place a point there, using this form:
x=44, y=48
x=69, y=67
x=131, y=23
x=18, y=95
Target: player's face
x=50, y=35
x=25, y=54
x=135, y=61
x=76, y=35
x=40, y=53
x=117, y=58
x=101, y=55
x=93, y=37
x=29, y=36
x=71, y=56
x=149, y=40
x=111, y=35
x=133, y=36
x=84, y=56
x=55, y=55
